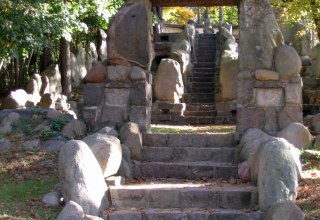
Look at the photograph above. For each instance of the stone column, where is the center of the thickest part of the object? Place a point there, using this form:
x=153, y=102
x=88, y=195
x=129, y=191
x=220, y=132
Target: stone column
x=125, y=95
x=269, y=97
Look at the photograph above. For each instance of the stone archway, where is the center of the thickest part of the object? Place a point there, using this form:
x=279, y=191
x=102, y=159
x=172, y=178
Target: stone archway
x=269, y=91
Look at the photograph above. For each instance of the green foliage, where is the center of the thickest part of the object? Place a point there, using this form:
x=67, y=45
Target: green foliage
x=48, y=134
x=230, y=15
x=31, y=25
x=59, y=123
x=25, y=125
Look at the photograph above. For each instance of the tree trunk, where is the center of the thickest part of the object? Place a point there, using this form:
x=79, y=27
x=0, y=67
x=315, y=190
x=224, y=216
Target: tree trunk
x=16, y=72
x=11, y=74
x=65, y=67
x=45, y=59
x=316, y=16
x=21, y=71
x=1, y=64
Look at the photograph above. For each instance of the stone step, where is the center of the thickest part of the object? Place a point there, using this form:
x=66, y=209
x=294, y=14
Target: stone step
x=203, y=85
x=183, y=194
x=195, y=74
x=178, y=214
x=184, y=170
x=201, y=79
x=205, y=70
x=201, y=90
x=191, y=154
x=205, y=53
x=203, y=100
x=190, y=140
x=201, y=108
x=204, y=59
x=204, y=65
x=200, y=113
x=199, y=120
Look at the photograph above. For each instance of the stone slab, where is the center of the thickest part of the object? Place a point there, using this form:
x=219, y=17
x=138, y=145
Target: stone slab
x=269, y=97
x=93, y=94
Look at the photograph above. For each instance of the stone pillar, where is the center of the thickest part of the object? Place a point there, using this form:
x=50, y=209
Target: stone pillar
x=126, y=93
x=269, y=96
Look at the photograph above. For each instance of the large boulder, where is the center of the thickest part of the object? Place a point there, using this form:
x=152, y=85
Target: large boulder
x=102, y=48
x=229, y=69
x=45, y=86
x=117, y=73
x=258, y=27
x=54, y=76
x=107, y=150
x=168, y=81
x=15, y=100
x=296, y=134
x=131, y=137
x=91, y=55
x=81, y=177
x=287, y=62
x=278, y=174
x=74, y=128
x=97, y=73
x=48, y=100
x=8, y=121
x=32, y=87
x=78, y=65
x=183, y=45
x=5, y=145
x=71, y=211
x=298, y=35
x=125, y=170
x=284, y=211
x=250, y=142
x=130, y=38
x=315, y=61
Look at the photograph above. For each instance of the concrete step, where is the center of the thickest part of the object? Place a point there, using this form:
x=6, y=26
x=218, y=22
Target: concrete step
x=184, y=170
x=203, y=84
x=201, y=79
x=200, y=113
x=197, y=120
x=202, y=108
x=178, y=214
x=205, y=70
x=202, y=100
x=206, y=59
x=204, y=65
x=191, y=154
x=201, y=90
x=190, y=140
x=183, y=194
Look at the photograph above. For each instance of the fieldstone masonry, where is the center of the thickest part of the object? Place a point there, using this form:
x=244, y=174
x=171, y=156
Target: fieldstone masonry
x=269, y=85
x=125, y=94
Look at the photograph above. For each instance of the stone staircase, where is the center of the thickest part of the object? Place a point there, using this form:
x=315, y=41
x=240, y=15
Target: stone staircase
x=199, y=98
x=185, y=176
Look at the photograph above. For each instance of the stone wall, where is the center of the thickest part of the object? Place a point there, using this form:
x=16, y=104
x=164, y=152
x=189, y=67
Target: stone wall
x=116, y=102
x=269, y=84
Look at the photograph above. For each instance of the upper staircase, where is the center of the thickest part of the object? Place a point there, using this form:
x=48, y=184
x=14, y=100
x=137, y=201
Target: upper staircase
x=200, y=88
x=187, y=177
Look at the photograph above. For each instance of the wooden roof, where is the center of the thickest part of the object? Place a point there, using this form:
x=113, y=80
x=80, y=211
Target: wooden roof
x=195, y=3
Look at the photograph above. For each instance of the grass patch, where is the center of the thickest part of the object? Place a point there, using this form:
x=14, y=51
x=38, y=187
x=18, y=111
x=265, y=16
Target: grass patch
x=192, y=129
x=26, y=190
x=25, y=177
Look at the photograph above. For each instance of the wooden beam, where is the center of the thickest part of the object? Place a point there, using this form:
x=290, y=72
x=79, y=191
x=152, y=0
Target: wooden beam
x=194, y=3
